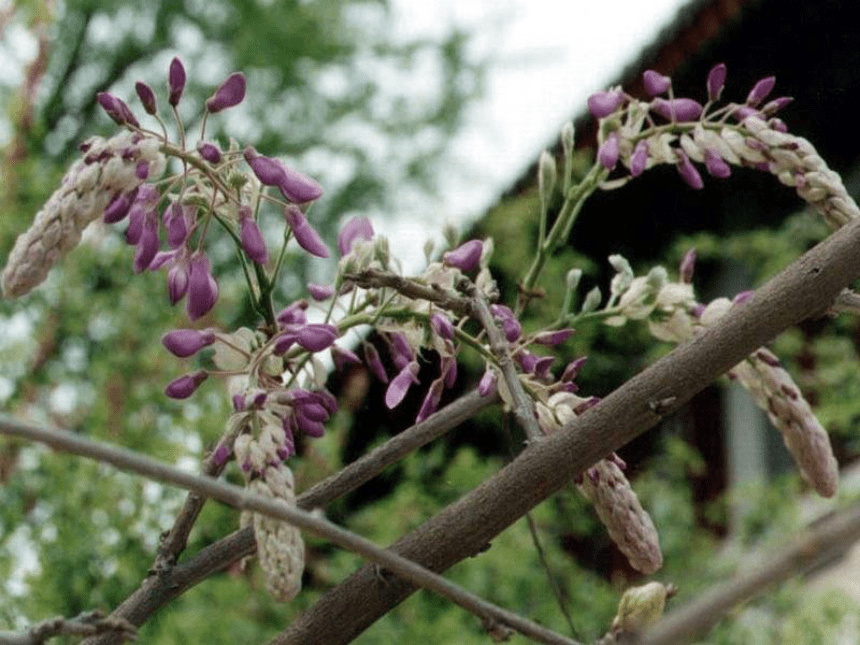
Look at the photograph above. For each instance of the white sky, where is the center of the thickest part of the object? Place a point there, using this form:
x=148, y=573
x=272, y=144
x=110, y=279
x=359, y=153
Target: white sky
x=550, y=56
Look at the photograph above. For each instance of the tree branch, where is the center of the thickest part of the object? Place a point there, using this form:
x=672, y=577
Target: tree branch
x=806, y=288
x=167, y=583
x=813, y=545
x=85, y=624
x=241, y=498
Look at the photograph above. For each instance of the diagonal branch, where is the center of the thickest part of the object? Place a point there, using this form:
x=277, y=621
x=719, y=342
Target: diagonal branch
x=493, y=617
x=806, y=288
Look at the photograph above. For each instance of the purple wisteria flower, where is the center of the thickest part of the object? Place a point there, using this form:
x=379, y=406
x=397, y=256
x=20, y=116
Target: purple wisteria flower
x=401, y=351
x=487, y=384
x=320, y=292
x=175, y=81
x=209, y=151
x=510, y=325
x=177, y=220
x=716, y=81
x=688, y=171
x=639, y=158
x=116, y=109
x=371, y=357
x=688, y=263
x=119, y=206
x=400, y=385
x=604, y=103
x=441, y=324
x=608, y=153
x=184, y=386
x=466, y=256
x=295, y=186
x=187, y=342
x=147, y=97
x=655, y=82
x=342, y=357
x=357, y=228
x=760, y=91
x=553, y=338
x=202, y=288
x=716, y=165
x=431, y=400
x=677, y=109
x=230, y=93
x=305, y=235
x=252, y=239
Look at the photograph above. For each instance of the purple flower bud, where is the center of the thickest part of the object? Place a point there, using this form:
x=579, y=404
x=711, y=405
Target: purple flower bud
x=487, y=384
x=293, y=314
x=202, y=288
x=448, y=369
x=284, y=342
x=209, y=151
x=401, y=351
x=252, y=239
x=716, y=81
x=307, y=425
x=306, y=236
x=553, y=338
x=116, y=109
x=527, y=360
x=400, y=384
x=147, y=97
x=187, y=342
x=744, y=111
x=177, y=282
x=466, y=256
x=572, y=369
x=147, y=245
x=341, y=356
x=320, y=292
x=542, y=365
x=184, y=386
x=294, y=186
x=677, y=109
x=778, y=125
x=175, y=81
x=743, y=296
x=688, y=263
x=655, y=83
x=716, y=165
x=602, y=104
x=358, y=228
x=119, y=206
x=688, y=171
x=441, y=324
x=431, y=401
x=314, y=411
x=371, y=357
x=772, y=107
x=316, y=336
x=760, y=91
x=221, y=454
x=238, y=402
x=231, y=92
x=607, y=155
x=639, y=158
x=177, y=225
x=586, y=405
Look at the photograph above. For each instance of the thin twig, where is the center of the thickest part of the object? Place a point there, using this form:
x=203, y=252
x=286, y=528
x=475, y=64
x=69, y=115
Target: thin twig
x=523, y=407
x=85, y=624
x=813, y=545
x=373, y=278
x=242, y=499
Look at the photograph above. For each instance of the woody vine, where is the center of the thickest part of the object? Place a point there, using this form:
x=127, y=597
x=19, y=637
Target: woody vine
x=177, y=196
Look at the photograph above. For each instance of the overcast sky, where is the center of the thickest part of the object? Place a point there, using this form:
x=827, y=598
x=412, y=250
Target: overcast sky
x=549, y=56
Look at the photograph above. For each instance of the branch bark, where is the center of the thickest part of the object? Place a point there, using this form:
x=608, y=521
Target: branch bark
x=804, y=289
x=817, y=543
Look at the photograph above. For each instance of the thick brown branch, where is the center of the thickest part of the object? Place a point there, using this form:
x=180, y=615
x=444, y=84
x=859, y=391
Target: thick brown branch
x=804, y=289
x=166, y=584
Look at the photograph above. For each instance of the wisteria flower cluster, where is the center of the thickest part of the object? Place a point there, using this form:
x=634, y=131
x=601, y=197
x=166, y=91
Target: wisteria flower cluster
x=276, y=373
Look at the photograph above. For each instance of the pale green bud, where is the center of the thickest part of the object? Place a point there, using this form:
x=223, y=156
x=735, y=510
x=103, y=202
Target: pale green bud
x=546, y=176
x=567, y=134
x=641, y=607
x=592, y=300
x=657, y=277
